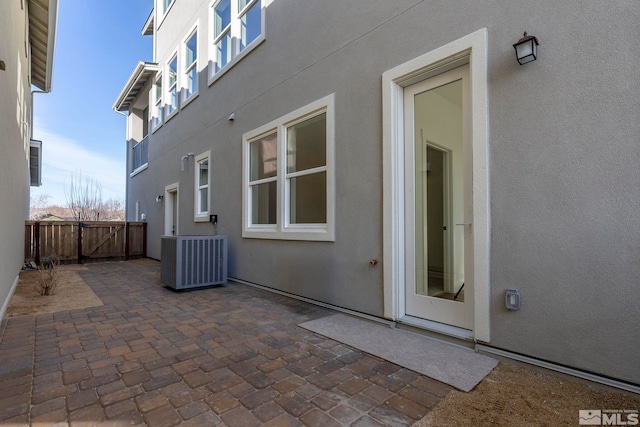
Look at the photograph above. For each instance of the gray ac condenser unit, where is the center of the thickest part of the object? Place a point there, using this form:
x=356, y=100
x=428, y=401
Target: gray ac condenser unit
x=193, y=261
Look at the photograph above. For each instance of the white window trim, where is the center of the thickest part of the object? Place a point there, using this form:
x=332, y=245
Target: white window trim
x=140, y=169
x=167, y=89
x=184, y=100
x=204, y=215
x=236, y=55
x=154, y=102
x=474, y=47
x=282, y=230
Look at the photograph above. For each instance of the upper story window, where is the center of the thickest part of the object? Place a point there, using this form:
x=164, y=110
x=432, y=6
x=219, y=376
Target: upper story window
x=288, y=175
x=222, y=33
x=190, y=66
x=164, y=6
x=202, y=184
x=237, y=27
x=156, y=115
x=172, y=85
x=250, y=17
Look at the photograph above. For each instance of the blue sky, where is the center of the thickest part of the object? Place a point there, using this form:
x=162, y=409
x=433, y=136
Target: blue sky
x=98, y=45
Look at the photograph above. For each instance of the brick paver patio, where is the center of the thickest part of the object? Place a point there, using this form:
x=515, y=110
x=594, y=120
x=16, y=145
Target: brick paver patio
x=231, y=355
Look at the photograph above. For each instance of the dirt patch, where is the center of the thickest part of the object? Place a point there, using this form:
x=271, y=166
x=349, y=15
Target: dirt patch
x=516, y=396
x=72, y=293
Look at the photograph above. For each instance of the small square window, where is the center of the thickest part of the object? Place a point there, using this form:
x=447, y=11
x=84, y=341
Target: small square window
x=202, y=186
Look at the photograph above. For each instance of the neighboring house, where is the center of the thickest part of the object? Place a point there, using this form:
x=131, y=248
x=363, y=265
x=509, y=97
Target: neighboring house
x=328, y=135
x=27, y=38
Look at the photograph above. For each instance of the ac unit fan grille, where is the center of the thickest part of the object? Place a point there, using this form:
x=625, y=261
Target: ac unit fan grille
x=198, y=261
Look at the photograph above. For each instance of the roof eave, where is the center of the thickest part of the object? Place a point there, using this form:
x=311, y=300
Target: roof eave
x=138, y=73
x=42, y=60
x=147, y=28
x=53, y=21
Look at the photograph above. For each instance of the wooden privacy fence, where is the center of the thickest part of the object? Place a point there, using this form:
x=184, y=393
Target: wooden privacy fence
x=79, y=241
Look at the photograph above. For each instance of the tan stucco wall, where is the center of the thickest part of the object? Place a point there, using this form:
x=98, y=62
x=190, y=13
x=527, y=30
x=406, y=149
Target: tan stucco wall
x=562, y=152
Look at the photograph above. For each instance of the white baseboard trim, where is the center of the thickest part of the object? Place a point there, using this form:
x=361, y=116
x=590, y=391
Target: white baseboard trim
x=5, y=305
x=559, y=368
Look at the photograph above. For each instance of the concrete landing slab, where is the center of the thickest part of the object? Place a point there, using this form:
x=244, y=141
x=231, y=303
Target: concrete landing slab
x=457, y=366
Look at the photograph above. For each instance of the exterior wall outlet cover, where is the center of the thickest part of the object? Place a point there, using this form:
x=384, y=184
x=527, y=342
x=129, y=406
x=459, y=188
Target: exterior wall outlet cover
x=513, y=300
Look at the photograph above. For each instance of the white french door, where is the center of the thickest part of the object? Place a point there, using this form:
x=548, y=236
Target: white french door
x=438, y=208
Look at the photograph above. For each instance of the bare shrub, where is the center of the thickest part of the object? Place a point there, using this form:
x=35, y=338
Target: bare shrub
x=84, y=197
x=48, y=275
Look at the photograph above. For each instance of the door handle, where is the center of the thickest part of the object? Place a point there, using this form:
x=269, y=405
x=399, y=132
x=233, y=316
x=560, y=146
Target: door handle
x=465, y=223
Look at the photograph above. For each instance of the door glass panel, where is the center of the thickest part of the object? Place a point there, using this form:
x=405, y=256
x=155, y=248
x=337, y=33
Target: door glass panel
x=439, y=193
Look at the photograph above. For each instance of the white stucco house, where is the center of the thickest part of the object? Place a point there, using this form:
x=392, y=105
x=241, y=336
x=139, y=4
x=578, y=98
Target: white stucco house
x=27, y=41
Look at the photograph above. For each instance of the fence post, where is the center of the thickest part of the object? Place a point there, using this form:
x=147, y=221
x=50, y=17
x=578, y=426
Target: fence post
x=36, y=241
x=126, y=241
x=144, y=239
x=79, y=242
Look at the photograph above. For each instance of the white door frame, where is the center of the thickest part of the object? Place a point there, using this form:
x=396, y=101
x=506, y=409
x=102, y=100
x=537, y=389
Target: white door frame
x=471, y=49
x=171, y=192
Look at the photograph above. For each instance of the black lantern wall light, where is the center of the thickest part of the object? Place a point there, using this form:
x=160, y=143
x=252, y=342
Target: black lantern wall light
x=526, y=49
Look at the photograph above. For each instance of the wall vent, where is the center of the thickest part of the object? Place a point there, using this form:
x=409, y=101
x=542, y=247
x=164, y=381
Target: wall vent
x=193, y=261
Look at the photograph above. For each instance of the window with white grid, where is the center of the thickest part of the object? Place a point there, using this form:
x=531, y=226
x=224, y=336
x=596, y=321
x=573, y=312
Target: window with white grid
x=288, y=172
x=237, y=27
